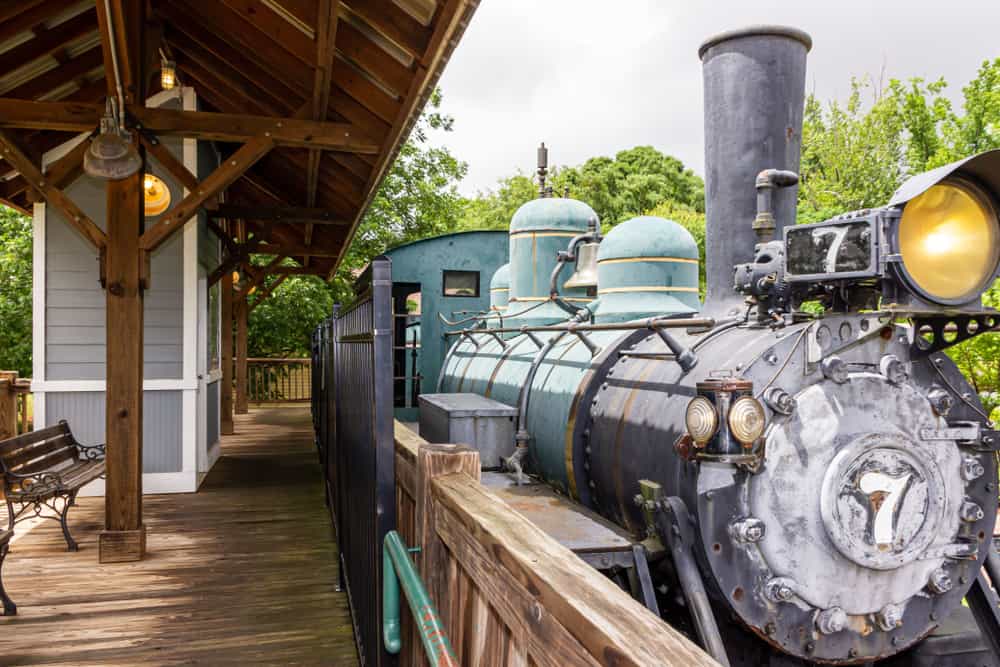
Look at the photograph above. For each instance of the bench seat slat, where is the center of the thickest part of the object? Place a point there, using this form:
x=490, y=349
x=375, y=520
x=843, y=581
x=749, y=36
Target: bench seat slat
x=12, y=445
x=73, y=478
x=15, y=462
x=49, y=461
x=82, y=473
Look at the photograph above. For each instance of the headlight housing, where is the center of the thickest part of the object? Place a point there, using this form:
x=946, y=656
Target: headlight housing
x=949, y=241
x=701, y=420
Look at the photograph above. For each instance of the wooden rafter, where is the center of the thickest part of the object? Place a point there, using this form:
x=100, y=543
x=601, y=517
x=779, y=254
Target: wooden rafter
x=78, y=117
x=48, y=42
x=66, y=169
x=296, y=250
x=258, y=276
x=55, y=197
x=447, y=23
x=233, y=167
x=326, y=38
x=319, y=216
x=267, y=292
x=169, y=161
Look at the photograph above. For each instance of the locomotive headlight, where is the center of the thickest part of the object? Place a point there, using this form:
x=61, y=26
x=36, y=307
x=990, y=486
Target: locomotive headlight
x=701, y=419
x=746, y=419
x=949, y=240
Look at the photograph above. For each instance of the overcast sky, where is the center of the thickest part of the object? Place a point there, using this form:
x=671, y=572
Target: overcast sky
x=592, y=77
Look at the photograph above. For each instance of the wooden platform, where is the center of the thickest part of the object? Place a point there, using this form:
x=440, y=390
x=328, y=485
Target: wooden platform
x=244, y=571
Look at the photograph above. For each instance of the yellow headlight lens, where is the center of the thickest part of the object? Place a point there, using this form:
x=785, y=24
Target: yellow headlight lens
x=701, y=419
x=948, y=238
x=746, y=419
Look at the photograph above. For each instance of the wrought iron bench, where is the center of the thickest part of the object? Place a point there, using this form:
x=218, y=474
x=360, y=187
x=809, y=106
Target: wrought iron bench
x=45, y=470
x=9, y=608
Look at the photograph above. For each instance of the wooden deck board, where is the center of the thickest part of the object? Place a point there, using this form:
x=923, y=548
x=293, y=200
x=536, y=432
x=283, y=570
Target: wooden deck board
x=244, y=571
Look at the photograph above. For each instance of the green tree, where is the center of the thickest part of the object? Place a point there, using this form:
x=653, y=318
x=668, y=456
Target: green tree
x=633, y=182
x=418, y=198
x=282, y=325
x=15, y=291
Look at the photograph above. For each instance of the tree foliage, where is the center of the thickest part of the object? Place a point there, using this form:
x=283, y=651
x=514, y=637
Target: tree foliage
x=15, y=292
x=282, y=325
x=633, y=182
x=418, y=198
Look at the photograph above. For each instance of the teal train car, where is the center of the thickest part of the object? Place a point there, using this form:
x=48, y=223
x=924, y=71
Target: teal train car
x=434, y=280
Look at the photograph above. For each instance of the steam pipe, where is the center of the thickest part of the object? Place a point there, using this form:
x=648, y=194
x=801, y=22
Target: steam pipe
x=767, y=182
x=653, y=323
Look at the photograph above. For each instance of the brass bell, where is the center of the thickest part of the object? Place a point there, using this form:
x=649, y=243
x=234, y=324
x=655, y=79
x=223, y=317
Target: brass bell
x=585, y=276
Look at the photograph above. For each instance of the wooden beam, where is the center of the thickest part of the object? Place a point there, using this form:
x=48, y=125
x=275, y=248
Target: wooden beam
x=326, y=50
x=240, y=127
x=267, y=293
x=387, y=18
x=229, y=171
x=226, y=353
x=227, y=266
x=293, y=250
x=126, y=274
x=58, y=76
x=259, y=274
x=169, y=161
x=242, y=407
x=226, y=239
x=51, y=194
x=84, y=117
x=191, y=29
x=65, y=170
x=48, y=42
x=318, y=216
x=123, y=538
x=449, y=22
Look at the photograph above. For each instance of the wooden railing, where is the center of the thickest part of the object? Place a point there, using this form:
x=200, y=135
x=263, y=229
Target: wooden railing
x=509, y=594
x=279, y=380
x=16, y=414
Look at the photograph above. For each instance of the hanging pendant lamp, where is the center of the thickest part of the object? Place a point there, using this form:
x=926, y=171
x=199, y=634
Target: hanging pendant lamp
x=111, y=156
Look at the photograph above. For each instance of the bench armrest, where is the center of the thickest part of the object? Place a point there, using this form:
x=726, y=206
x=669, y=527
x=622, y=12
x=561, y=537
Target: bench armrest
x=91, y=452
x=27, y=484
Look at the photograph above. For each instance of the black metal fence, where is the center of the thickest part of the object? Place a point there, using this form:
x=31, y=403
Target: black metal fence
x=352, y=412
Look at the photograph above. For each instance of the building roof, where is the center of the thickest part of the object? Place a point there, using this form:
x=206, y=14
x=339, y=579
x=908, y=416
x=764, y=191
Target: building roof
x=351, y=77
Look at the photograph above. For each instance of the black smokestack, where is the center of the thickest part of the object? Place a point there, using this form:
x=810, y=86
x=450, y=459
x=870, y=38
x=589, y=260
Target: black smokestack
x=755, y=81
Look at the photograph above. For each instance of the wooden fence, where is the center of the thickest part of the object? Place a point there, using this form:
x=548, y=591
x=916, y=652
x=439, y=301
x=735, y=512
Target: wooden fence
x=508, y=593
x=279, y=380
x=16, y=416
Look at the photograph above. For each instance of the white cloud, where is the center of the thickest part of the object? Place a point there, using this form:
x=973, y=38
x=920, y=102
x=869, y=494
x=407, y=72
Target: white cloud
x=591, y=78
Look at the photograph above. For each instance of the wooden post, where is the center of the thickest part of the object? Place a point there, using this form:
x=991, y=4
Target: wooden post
x=124, y=536
x=435, y=461
x=226, y=352
x=241, y=357
x=8, y=405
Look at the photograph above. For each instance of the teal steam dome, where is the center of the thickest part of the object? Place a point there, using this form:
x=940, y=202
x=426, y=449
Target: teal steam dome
x=538, y=231
x=500, y=288
x=647, y=267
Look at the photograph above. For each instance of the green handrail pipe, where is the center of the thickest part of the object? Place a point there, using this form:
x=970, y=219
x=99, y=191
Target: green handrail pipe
x=397, y=568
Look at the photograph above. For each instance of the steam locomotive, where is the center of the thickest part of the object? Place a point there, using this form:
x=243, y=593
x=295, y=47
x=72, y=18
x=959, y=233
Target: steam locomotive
x=818, y=488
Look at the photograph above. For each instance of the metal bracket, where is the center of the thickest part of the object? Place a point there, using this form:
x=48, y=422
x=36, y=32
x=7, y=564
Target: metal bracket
x=965, y=432
x=936, y=333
